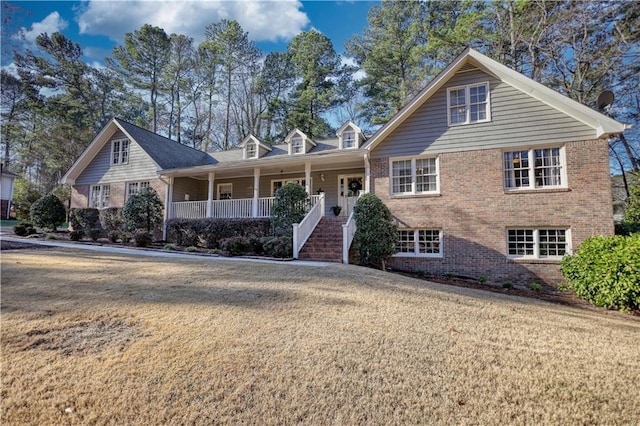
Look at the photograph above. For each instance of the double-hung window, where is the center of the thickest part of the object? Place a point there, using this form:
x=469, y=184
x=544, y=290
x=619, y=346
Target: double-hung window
x=419, y=242
x=99, y=196
x=545, y=243
x=251, y=150
x=468, y=104
x=534, y=168
x=225, y=191
x=134, y=187
x=297, y=145
x=120, y=151
x=348, y=139
x=414, y=176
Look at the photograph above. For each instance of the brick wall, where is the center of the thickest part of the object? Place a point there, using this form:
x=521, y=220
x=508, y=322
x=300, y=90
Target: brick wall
x=474, y=212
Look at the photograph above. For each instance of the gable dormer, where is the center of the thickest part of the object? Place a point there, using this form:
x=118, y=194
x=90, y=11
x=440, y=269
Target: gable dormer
x=298, y=142
x=350, y=136
x=253, y=148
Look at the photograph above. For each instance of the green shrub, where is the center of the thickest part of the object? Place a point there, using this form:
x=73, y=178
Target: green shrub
x=235, y=246
x=482, y=279
x=170, y=246
x=23, y=229
x=143, y=210
x=255, y=245
x=113, y=236
x=84, y=218
x=606, y=271
x=376, y=235
x=280, y=247
x=94, y=234
x=111, y=219
x=142, y=238
x=48, y=212
x=627, y=228
x=507, y=285
x=191, y=249
x=76, y=235
x=290, y=206
x=25, y=193
x=210, y=232
x=49, y=236
x=535, y=287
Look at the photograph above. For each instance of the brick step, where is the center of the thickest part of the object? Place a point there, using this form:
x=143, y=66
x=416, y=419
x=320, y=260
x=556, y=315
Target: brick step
x=325, y=244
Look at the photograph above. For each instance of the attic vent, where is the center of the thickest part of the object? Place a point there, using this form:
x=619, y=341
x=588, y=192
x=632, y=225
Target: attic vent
x=467, y=68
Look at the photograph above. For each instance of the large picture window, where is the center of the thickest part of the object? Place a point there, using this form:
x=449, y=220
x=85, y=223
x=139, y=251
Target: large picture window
x=414, y=176
x=279, y=183
x=538, y=243
x=120, y=151
x=468, y=104
x=534, y=168
x=99, y=197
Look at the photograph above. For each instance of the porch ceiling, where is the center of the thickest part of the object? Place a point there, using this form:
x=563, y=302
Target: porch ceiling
x=272, y=168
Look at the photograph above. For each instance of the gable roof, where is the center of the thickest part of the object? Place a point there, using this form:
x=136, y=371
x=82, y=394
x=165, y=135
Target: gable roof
x=164, y=152
x=258, y=142
x=603, y=126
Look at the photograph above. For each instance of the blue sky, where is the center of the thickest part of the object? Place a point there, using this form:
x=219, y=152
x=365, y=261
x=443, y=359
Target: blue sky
x=99, y=25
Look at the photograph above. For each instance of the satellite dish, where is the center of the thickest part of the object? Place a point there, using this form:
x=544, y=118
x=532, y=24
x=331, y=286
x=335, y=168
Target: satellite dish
x=605, y=99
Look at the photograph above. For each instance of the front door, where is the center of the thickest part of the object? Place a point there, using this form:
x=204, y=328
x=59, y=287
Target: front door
x=349, y=188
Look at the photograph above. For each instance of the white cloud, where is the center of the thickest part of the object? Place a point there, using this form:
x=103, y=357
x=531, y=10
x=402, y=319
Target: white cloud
x=263, y=20
x=359, y=74
x=51, y=24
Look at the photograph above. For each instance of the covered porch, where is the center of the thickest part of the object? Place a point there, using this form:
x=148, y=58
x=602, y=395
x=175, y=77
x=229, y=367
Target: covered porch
x=246, y=191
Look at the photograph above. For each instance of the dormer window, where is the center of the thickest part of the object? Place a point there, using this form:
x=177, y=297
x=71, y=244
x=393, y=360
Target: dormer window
x=350, y=136
x=297, y=145
x=251, y=150
x=348, y=139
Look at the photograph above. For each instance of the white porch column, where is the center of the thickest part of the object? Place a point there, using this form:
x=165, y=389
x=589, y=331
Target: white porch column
x=256, y=191
x=367, y=174
x=212, y=176
x=168, y=200
x=307, y=177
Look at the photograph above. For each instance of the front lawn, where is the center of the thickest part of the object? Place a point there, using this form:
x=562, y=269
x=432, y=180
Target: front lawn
x=114, y=339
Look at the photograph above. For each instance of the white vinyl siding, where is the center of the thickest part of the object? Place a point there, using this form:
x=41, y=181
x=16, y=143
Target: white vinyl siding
x=545, y=243
x=468, y=104
x=535, y=169
x=419, y=242
x=414, y=176
x=99, y=197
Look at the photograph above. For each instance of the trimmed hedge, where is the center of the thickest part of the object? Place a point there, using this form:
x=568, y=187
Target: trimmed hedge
x=211, y=232
x=606, y=271
x=84, y=219
x=48, y=212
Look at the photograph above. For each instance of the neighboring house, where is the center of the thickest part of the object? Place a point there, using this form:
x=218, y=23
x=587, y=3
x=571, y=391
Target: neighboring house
x=485, y=171
x=6, y=191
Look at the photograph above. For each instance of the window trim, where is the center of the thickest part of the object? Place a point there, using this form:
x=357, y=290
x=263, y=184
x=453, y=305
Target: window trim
x=532, y=169
x=413, y=192
x=303, y=145
x=121, y=152
x=467, y=103
x=255, y=150
x=355, y=138
x=221, y=185
x=291, y=180
x=101, y=199
x=536, y=243
x=416, y=242
x=138, y=183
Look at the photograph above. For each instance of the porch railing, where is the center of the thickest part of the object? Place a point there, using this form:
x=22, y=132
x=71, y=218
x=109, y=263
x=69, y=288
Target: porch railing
x=303, y=230
x=188, y=210
x=348, y=232
x=239, y=207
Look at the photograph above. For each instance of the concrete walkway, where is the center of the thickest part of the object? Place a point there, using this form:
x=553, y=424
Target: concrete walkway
x=154, y=253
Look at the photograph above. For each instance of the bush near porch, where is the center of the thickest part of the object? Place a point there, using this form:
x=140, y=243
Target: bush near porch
x=211, y=232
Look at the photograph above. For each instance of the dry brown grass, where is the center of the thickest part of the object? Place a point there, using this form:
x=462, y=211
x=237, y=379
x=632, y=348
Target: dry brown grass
x=114, y=340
